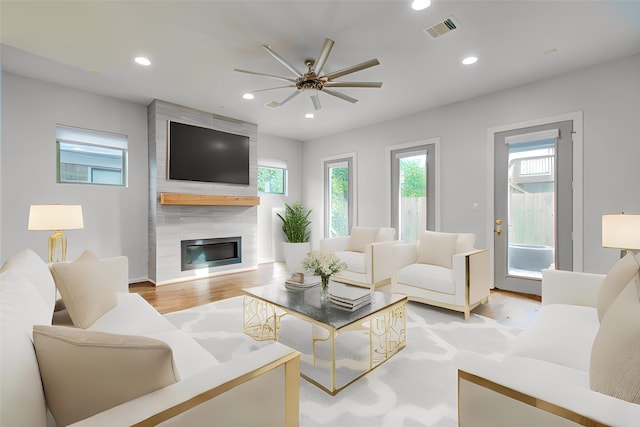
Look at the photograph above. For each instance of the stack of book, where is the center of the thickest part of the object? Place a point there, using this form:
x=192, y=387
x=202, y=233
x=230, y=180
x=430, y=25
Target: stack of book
x=349, y=297
x=309, y=282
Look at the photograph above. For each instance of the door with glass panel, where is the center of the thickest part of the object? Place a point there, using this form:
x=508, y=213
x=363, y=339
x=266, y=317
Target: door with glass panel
x=533, y=205
x=338, y=187
x=412, y=190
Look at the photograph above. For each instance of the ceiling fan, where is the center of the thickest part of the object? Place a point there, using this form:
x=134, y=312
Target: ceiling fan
x=313, y=80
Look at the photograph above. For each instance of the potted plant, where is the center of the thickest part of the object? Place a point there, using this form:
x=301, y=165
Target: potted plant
x=295, y=225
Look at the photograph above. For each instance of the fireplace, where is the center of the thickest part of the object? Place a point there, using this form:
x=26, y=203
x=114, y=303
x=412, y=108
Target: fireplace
x=204, y=253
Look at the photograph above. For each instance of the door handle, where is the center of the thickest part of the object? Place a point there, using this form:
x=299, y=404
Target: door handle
x=498, y=229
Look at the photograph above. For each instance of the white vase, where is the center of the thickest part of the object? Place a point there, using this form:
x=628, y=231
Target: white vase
x=294, y=253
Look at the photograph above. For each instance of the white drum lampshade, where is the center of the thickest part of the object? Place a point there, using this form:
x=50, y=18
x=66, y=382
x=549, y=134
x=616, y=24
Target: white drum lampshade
x=56, y=218
x=621, y=231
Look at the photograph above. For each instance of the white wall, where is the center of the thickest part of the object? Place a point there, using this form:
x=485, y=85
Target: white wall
x=609, y=96
x=270, y=233
x=115, y=218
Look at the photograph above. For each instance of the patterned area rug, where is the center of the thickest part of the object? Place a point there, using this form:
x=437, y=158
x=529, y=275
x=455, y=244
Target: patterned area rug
x=416, y=387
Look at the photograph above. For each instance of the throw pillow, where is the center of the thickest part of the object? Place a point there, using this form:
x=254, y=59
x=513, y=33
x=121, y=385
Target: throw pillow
x=86, y=372
x=360, y=238
x=437, y=248
x=85, y=289
x=617, y=278
x=20, y=302
x=615, y=357
x=37, y=271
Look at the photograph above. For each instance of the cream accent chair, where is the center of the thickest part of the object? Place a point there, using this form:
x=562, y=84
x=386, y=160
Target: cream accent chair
x=442, y=269
x=367, y=253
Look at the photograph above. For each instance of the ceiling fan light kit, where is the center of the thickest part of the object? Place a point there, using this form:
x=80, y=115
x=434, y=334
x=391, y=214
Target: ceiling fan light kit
x=313, y=80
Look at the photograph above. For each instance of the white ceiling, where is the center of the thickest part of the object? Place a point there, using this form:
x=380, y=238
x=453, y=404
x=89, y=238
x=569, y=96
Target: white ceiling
x=195, y=45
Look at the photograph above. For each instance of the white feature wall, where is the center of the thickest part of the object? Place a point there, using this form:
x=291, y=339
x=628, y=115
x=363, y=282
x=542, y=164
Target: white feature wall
x=115, y=218
x=608, y=96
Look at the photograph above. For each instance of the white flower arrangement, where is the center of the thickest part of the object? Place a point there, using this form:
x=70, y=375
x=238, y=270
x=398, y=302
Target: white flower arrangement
x=323, y=263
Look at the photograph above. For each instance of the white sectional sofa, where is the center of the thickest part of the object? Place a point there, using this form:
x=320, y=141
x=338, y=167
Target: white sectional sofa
x=577, y=364
x=126, y=364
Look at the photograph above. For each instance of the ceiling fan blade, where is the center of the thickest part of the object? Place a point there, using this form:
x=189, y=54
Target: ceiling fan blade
x=340, y=95
x=271, y=88
x=325, y=50
x=290, y=97
x=352, y=69
x=271, y=76
x=316, y=102
x=282, y=60
x=354, y=84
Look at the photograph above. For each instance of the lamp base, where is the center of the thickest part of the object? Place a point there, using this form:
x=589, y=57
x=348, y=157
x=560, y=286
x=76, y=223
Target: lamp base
x=57, y=247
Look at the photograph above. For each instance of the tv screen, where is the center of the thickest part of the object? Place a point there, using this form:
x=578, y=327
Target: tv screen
x=207, y=155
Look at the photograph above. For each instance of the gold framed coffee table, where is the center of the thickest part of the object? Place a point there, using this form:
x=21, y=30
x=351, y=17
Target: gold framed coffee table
x=337, y=345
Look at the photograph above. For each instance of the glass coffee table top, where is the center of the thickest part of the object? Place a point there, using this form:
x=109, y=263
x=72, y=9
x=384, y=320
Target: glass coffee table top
x=307, y=303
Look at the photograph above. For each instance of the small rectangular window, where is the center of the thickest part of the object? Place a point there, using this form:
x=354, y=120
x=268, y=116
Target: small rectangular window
x=91, y=157
x=272, y=180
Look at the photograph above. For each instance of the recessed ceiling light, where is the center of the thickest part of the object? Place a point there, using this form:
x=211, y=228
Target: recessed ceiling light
x=142, y=61
x=420, y=4
x=248, y=96
x=469, y=60
x=308, y=116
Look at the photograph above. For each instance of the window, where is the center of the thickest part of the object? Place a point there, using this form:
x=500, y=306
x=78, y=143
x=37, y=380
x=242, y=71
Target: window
x=271, y=180
x=91, y=157
x=413, y=190
x=339, y=198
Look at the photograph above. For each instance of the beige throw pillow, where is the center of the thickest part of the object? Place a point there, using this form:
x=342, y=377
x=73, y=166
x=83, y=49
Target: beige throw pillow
x=84, y=288
x=620, y=274
x=85, y=372
x=360, y=238
x=437, y=248
x=615, y=357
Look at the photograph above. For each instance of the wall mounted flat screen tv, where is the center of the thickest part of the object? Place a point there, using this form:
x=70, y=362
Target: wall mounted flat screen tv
x=201, y=154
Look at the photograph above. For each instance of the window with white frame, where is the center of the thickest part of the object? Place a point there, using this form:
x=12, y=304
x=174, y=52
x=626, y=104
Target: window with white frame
x=272, y=176
x=91, y=157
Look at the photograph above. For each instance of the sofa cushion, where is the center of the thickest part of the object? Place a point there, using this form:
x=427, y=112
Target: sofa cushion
x=37, y=271
x=85, y=289
x=134, y=316
x=426, y=276
x=465, y=242
x=561, y=334
x=21, y=396
x=21, y=302
x=354, y=261
x=360, y=238
x=616, y=279
x=437, y=248
x=87, y=372
x=615, y=357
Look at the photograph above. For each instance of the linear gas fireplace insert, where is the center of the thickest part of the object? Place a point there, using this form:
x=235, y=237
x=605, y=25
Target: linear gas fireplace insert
x=204, y=253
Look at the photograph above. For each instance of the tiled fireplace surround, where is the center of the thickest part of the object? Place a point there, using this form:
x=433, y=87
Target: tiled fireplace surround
x=170, y=224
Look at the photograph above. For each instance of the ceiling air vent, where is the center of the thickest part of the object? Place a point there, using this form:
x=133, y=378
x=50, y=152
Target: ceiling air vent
x=272, y=104
x=442, y=28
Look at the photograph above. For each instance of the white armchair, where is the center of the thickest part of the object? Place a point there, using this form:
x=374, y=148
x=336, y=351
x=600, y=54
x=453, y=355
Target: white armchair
x=442, y=269
x=367, y=253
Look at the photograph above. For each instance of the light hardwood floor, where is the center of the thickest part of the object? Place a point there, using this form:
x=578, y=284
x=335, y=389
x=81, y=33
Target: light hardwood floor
x=505, y=307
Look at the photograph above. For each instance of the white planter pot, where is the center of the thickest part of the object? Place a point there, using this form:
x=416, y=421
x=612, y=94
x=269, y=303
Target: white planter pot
x=294, y=253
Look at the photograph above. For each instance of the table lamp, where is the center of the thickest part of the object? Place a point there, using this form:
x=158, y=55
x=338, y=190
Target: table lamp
x=56, y=218
x=621, y=231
